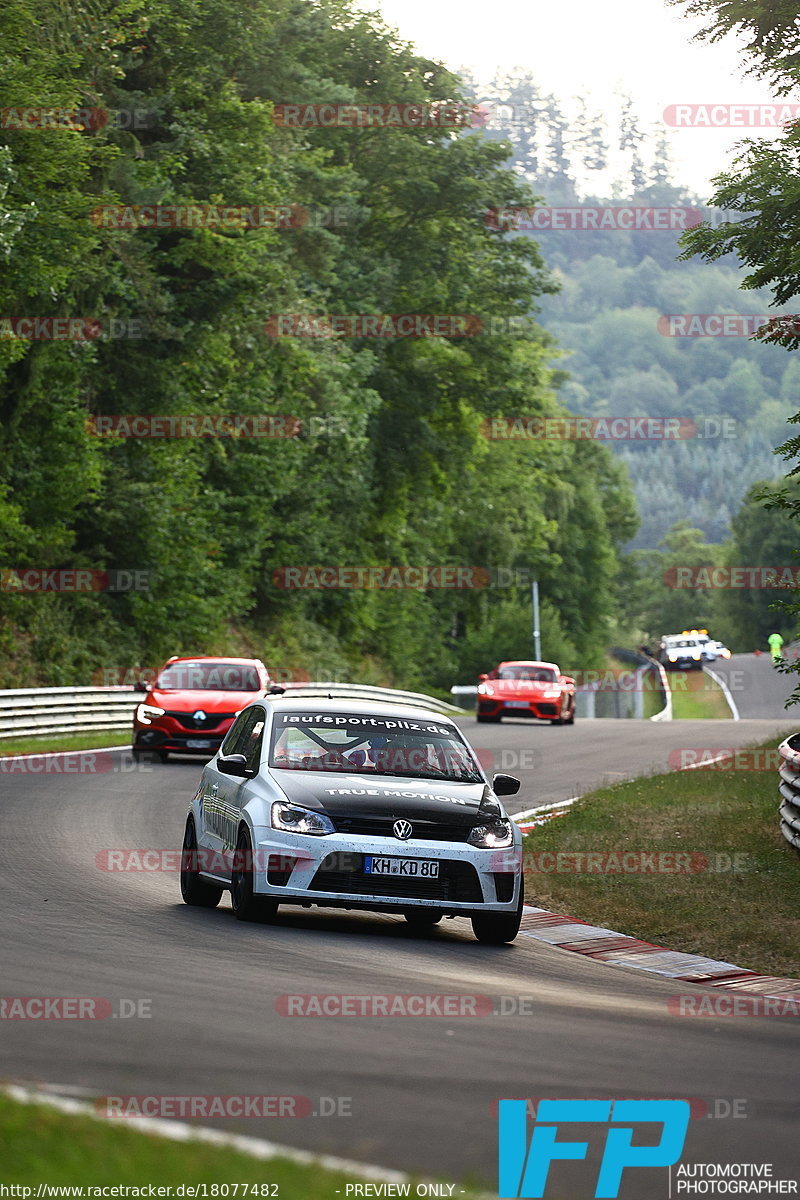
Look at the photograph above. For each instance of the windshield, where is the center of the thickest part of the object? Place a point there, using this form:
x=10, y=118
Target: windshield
x=209, y=677
x=345, y=743
x=531, y=674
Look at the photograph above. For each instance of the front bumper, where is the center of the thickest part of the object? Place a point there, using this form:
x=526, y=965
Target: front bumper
x=329, y=871
x=543, y=710
x=180, y=741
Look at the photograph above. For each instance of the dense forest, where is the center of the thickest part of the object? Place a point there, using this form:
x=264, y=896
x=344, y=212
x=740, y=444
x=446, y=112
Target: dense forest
x=177, y=104
x=614, y=285
x=266, y=451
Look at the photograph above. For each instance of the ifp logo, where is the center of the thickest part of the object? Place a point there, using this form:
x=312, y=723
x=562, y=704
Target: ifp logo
x=524, y=1170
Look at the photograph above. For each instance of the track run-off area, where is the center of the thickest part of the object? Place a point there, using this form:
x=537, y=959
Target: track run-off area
x=416, y=1093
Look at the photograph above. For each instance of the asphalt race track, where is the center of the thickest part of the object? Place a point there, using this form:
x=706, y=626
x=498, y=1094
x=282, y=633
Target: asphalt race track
x=420, y=1089
x=757, y=688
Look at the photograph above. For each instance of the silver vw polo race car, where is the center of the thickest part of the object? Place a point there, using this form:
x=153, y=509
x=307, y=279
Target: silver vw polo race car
x=354, y=805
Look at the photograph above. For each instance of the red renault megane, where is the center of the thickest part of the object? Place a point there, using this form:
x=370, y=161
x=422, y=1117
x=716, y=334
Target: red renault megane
x=193, y=703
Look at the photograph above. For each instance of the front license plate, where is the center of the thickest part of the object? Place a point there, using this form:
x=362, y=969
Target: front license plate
x=421, y=867
x=517, y=704
x=198, y=744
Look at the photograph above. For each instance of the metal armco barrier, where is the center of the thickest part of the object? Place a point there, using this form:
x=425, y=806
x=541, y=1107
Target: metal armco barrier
x=789, y=789
x=646, y=663
x=28, y=712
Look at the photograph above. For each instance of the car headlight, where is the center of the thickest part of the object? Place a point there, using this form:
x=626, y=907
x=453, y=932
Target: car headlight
x=492, y=837
x=550, y=693
x=291, y=818
x=146, y=712
x=696, y=653
x=484, y=690
x=672, y=656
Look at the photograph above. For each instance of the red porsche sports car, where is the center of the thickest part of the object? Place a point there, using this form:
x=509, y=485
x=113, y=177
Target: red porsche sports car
x=527, y=689
x=193, y=703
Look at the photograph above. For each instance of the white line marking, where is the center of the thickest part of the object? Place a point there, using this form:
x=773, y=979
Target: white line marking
x=666, y=711
x=707, y=762
x=529, y=812
x=726, y=691
x=181, y=1131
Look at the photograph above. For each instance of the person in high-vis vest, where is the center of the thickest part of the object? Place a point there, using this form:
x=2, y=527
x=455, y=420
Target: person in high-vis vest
x=775, y=647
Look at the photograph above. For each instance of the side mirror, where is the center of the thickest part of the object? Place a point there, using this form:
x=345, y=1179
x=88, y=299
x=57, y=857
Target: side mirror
x=482, y=678
x=505, y=785
x=568, y=680
x=234, y=764
x=275, y=689
x=140, y=686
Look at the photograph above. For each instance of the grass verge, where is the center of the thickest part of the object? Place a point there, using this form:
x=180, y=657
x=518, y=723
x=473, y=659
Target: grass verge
x=743, y=910
x=695, y=694
x=53, y=742
x=46, y=1146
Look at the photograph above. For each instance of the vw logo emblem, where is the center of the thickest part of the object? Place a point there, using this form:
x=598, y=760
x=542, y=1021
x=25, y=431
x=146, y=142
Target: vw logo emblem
x=199, y=715
x=402, y=830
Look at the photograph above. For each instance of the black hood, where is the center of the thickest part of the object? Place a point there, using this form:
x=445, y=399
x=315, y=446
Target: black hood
x=354, y=795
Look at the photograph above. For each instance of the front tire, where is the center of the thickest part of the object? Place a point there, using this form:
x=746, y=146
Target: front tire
x=246, y=905
x=194, y=889
x=495, y=929
x=422, y=918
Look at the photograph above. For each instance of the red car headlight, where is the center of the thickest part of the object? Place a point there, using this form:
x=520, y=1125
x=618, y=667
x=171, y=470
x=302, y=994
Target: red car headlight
x=145, y=713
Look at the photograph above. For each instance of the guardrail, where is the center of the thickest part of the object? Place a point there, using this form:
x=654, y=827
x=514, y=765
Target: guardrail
x=28, y=712
x=789, y=789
